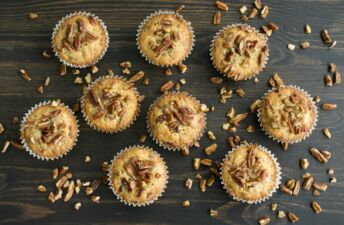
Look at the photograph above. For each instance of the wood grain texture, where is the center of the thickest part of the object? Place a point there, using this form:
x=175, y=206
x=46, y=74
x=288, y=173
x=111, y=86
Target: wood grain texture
x=21, y=44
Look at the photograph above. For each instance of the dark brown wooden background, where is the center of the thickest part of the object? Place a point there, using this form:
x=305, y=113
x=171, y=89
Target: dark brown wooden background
x=21, y=44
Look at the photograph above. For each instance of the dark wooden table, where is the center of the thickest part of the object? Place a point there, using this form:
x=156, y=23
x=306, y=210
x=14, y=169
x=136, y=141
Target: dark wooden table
x=22, y=42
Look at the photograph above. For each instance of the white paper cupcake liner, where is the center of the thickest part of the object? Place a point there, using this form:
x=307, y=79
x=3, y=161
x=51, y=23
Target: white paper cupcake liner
x=156, y=14
x=109, y=176
x=57, y=26
x=306, y=135
x=89, y=87
x=277, y=182
x=26, y=146
x=161, y=144
x=247, y=27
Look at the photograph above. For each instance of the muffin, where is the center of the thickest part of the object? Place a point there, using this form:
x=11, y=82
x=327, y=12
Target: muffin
x=138, y=176
x=250, y=173
x=165, y=38
x=110, y=104
x=49, y=130
x=239, y=52
x=80, y=39
x=287, y=114
x=176, y=121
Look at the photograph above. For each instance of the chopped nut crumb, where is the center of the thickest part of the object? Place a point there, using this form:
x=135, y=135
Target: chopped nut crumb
x=264, y=220
x=33, y=16
x=41, y=188
x=213, y=213
x=87, y=159
x=182, y=68
x=77, y=206
x=291, y=47
x=307, y=29
x=196, y=162
x=94, y=69
x=186, y=203
x=188, y=183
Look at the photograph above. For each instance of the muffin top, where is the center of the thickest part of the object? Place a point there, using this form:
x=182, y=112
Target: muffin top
x=287, y=114
x=80, y=40
x=176, y=120
x=250, y=173
x=138, y=175
x=50, y=130
x=111, y=104
x=165, y=39
x=240, y=52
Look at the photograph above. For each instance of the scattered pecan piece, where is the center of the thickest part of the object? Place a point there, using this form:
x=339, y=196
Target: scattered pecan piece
x=217, y=18
x=316, y=207
x=221, y=5
x=25, y=75
x=167, y=86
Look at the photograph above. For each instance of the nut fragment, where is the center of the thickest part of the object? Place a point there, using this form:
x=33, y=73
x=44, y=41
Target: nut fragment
x=307, y=183
x=25, y=75
x=285, y=189
x=221, y=5
x=182, y=68
x=320, y=186
x=240, y=92
x=305, y=44
x=145, y=81
x=75, y=71
x=94, y=69
x=40, y=89
x=250, y=129
x=188, y=183
x=292, y=217
x=273, y=206
x=254, y=106
x=196, y=162
x=202, y=184
x=17, y=145
x=125, y=64
x=243, y=9
x=325, y=36
x=217, y=18
x=77, y=206
x=210, y=149
x=307, y=29
x=33, y=16
x=206, y=162
x=327, y=132
x=61, y=181
x=41, y=188
x=296, y=189
x=337, y=77
x=213, y=213
x=316, y=207
x=211, y=135
x=328, y=80
x=291, y=47
x=5, y=146
x=280, y=214
x=168, y=72
x=284, y=145
x=186, y=203
x=216, y=80
x=328, y=106
x=180, y=8
x=63, y=69
x=2, y=129
x=332, y=68
x=265, y=11
x=333, y=180
x=78, y=80
x=318, y=155
x=330, y=171
x=304, y=163
x=138, y=76
x=47, y=81
x=70, y=191
x=210, y=181
x=257, y=4
x=167, y=86
x=264, y=220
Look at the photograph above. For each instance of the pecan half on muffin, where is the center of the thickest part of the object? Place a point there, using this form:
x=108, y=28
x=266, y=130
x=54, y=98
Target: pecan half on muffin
x=250, y=173
x=49, y=130
x=80, y=39
x=110, y=104
x=287, y=114
x=138, y=176
x=239, y=52
x=176, y=121
x=165, y=38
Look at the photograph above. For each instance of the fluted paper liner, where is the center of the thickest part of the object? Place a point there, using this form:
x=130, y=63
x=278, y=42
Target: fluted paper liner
x=57, y=26
x=247, y=27
x=160, y=12
x=277, y=182
x=306, y=135
x=25, y=117
x=167, y=147
x=109, y=176
x=85, y=96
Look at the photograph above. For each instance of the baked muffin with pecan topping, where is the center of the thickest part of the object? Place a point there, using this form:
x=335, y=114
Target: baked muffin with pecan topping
x=176, y=121
x=250, y=173
x=165, y=38
x=138, y=176
x=49, y=130
x=80, y=39
x=239, y=52
x=287, y=114
x=110, y=104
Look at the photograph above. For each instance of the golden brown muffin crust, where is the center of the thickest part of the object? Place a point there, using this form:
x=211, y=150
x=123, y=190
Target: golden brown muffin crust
x=240, y=52
x=111, y=104
x=176, y=120
x=287, y=114
x=249, y=173
x=80, y=40
x=50, y=130
x=165, y=39
x=138, y=175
